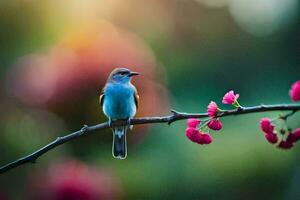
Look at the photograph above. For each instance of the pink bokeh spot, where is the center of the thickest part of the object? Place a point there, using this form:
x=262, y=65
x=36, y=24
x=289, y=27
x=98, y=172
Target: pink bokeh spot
x=74, y=180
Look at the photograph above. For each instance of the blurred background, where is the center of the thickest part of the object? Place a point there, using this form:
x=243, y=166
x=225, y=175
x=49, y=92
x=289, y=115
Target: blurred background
x=55, y=57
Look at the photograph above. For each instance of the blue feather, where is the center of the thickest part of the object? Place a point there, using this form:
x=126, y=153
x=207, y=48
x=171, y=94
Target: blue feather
x=119, y=101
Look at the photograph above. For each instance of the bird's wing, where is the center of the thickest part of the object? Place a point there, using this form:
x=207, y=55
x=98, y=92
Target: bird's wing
x=136, y=98
x=101, y=98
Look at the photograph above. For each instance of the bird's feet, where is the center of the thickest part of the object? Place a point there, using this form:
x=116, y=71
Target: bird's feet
x=129, y=123
x=110, y=122
x=84, y=129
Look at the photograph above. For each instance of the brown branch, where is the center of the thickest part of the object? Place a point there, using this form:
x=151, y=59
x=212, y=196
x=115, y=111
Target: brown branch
x=175, y=116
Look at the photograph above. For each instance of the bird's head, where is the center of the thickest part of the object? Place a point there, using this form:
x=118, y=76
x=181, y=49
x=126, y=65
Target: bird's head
x=121, y=75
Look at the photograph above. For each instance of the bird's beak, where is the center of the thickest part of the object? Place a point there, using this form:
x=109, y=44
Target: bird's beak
x=133, y=74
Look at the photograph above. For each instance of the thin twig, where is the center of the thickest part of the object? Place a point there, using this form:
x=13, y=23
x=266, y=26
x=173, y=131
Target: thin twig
x=175, y=116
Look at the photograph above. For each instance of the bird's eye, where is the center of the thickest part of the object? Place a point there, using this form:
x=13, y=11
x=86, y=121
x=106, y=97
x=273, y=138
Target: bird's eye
x=123, y=73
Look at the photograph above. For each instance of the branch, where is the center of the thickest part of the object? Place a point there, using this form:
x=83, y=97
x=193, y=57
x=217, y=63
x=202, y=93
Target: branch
x=175, y=116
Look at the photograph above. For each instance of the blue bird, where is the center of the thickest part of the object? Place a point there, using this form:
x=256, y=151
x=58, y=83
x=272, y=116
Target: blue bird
x=119, y=100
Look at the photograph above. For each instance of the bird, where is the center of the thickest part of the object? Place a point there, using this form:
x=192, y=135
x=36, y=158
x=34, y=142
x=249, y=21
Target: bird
x=119, y=100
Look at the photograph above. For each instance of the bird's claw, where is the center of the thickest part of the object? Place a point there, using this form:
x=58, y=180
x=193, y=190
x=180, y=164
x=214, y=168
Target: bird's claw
x=129, y=121
x=84, y=129
x=110, y=122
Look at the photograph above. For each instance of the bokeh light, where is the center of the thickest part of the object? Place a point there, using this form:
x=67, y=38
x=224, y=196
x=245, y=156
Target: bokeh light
x=264, y=17
x=72, y=180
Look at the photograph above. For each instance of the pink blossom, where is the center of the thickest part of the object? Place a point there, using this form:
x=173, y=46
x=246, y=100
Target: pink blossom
x=294, y=136
x=271, y=138
x=198, y=137
x=193, y=123
x=206, y=138
x=285, y=145
x=193, y=134
x=295, y=91
x=266, y=125
x=296, y=132
x=215, y=124
x=230, y=98
x=212, y=109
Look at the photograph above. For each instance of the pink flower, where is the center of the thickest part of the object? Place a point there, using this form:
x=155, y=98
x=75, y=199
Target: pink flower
x=285, y=145
x=212, y=109
x=295, y=91
x=193, y=123
x=230, y=98
x=271, y=138
x=206, y=138
x=198, y=137
x=193, y=134
x=296, y=132
x=294, y=136
x=266, y=125
x=215, y=124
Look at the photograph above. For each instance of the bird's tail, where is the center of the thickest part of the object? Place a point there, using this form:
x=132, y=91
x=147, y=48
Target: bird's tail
x=119, y=148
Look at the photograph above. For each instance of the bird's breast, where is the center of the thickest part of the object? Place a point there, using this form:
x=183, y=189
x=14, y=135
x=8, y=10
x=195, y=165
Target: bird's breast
x=119, y=101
